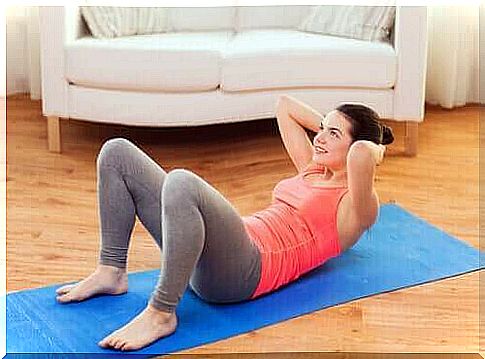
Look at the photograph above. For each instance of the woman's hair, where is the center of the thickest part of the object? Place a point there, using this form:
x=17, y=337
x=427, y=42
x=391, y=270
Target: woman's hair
x=365, y=124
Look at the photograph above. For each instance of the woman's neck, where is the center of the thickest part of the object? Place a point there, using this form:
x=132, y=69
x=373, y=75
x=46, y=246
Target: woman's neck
x=335, y=177
x=328, y=175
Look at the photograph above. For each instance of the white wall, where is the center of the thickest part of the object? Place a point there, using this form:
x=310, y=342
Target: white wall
x=23, y=70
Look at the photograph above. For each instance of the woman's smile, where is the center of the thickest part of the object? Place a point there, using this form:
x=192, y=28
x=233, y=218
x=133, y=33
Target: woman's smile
x=320, y=150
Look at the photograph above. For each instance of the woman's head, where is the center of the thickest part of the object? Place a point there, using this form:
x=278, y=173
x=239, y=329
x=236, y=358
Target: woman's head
x=365, y=124
x=343, y=126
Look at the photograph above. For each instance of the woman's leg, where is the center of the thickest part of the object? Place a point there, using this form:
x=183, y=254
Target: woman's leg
x=204, y=243
x=129, y=183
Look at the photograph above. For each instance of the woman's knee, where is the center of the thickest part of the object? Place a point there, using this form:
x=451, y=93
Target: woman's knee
x=180, y=183
x=113, y=150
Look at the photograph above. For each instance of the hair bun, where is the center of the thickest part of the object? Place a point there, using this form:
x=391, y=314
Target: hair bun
x=387, y=135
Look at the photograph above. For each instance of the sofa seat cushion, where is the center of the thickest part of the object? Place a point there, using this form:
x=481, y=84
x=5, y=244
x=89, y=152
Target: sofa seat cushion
x=183, y=61
x=289, y=58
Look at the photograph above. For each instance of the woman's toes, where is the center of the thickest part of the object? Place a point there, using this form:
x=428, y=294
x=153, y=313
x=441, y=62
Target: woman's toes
x=124, y=346
x=102, y=343
x=127, y=346
x=118, y=343
x=64, y=298
x=105, y=342
x=113, y=343
x=108, y=342
x=64, y=289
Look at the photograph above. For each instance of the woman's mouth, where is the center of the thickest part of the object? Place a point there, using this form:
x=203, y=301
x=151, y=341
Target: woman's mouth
x=320, y=150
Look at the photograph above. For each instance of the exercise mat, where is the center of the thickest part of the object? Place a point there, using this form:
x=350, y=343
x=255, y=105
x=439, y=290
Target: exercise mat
x=400, y=250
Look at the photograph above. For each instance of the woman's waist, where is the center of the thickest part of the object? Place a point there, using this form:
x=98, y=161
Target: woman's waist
x=279, y=227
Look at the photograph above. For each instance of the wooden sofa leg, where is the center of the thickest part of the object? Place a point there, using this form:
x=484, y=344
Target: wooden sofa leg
x=411, y=139
x=54, y=133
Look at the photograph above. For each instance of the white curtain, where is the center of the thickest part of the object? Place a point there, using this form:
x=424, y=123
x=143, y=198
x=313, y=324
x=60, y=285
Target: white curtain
x=23, y=50
x=452, y=77
x=452, y=69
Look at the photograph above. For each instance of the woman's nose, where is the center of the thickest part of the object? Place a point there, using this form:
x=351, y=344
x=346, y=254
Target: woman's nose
x=319, y=138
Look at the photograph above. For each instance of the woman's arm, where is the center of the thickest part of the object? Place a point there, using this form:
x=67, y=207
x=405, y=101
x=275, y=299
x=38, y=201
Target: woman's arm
x=302, y=113
x=362, y=158
x=293, y=118
x=376, y=150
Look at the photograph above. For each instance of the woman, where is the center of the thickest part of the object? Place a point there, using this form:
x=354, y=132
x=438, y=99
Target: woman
x=204, y=242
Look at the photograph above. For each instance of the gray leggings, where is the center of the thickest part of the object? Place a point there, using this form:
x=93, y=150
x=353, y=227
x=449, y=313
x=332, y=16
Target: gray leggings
x=201, y=236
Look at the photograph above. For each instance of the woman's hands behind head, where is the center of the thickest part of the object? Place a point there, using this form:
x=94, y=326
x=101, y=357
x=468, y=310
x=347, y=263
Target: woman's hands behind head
x=376, y=150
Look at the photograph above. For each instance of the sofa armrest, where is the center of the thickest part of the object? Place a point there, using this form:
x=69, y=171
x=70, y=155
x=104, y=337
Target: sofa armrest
x=58, y=26
x=410, y=43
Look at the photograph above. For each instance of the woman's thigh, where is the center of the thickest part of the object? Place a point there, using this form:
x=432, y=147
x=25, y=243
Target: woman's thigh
x=229, y=266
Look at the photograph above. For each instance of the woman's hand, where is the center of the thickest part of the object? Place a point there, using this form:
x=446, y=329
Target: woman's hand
x=376, y=150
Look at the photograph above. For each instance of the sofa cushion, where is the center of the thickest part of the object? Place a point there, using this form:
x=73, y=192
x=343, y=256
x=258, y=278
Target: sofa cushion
x=152, y=20
x=290, y=58
x=159, y=62
x=202, y=18
x=281, y=16
x=112, y=21
x=372, y=23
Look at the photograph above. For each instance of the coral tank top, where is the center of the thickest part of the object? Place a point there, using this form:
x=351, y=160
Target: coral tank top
x=297, y=232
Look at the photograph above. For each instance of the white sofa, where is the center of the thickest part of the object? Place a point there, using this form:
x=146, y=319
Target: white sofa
x=226, y=64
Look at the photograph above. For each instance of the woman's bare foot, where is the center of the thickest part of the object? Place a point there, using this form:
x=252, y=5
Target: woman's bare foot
x=145, y=328
x=104, y=280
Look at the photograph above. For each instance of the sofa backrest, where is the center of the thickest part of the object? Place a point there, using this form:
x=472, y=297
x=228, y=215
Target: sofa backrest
x=202, y=18
x=280, y=16
x=237, y=18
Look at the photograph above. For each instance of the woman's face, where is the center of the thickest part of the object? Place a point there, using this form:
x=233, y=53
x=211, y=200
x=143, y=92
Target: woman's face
x=334, y=139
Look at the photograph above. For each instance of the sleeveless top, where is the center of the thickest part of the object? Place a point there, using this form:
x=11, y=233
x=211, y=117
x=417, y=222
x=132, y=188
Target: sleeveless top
x=297, y=232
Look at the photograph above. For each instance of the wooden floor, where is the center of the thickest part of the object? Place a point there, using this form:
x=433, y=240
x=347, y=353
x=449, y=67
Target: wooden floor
x=52, y=223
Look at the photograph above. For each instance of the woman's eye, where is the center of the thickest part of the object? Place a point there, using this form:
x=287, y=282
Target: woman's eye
x=333, y=133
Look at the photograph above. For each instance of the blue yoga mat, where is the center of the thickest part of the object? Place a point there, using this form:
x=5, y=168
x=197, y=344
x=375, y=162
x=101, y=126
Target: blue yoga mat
x=400, y=251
